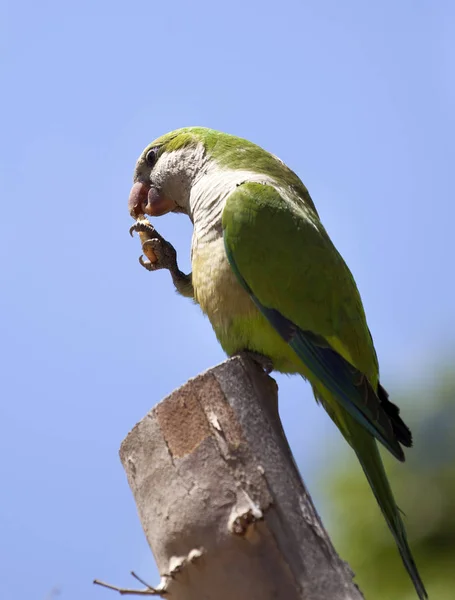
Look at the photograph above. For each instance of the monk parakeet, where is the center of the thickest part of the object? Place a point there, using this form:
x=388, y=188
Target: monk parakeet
x=270, y=280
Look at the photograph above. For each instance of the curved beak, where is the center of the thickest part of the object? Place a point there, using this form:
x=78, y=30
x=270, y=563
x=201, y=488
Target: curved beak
x=144, y=199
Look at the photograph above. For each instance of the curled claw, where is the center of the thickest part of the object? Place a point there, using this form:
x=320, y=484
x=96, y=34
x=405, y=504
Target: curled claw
x=147, y=264
x=142, y=227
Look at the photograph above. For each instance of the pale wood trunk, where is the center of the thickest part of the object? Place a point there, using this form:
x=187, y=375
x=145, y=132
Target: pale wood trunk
x=221, y=500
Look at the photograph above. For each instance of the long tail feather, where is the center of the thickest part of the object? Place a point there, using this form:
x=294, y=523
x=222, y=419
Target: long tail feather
x=368, y=454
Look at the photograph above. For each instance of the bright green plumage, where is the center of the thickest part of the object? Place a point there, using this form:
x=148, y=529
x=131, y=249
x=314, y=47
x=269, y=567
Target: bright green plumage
x=270, y=280
x=307, y=281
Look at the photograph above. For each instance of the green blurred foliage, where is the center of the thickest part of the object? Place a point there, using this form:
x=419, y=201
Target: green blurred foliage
x=424, y=488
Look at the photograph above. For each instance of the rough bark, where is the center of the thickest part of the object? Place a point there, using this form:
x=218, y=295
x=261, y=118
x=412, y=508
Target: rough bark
x=220, y=498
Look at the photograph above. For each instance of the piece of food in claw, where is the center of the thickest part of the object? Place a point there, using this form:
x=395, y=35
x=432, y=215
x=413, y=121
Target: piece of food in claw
x=144, y=237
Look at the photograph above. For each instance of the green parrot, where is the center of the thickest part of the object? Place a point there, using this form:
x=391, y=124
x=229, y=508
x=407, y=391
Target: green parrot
x=271, y=282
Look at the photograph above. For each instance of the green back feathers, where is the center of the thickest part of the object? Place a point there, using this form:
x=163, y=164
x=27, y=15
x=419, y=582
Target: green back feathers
x=234, y=153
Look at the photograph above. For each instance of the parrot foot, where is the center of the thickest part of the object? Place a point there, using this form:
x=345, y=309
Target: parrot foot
x=161, y=252
x=264, y=362
x=161, y=255
x=166, y=256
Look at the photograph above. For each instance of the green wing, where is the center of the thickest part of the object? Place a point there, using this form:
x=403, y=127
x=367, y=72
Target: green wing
x=284, y=258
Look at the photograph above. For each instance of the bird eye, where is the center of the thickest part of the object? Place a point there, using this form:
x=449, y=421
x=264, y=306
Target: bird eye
x=150, y=157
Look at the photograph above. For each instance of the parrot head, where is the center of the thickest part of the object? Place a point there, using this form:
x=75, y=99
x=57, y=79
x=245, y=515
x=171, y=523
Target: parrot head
x=164, y=175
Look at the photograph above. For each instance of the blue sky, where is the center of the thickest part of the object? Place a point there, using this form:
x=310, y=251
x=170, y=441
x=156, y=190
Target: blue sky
x=356, y=97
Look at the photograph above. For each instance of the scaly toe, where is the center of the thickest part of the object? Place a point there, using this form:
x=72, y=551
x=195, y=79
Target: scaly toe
x=264, y=362
x=141, y=227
